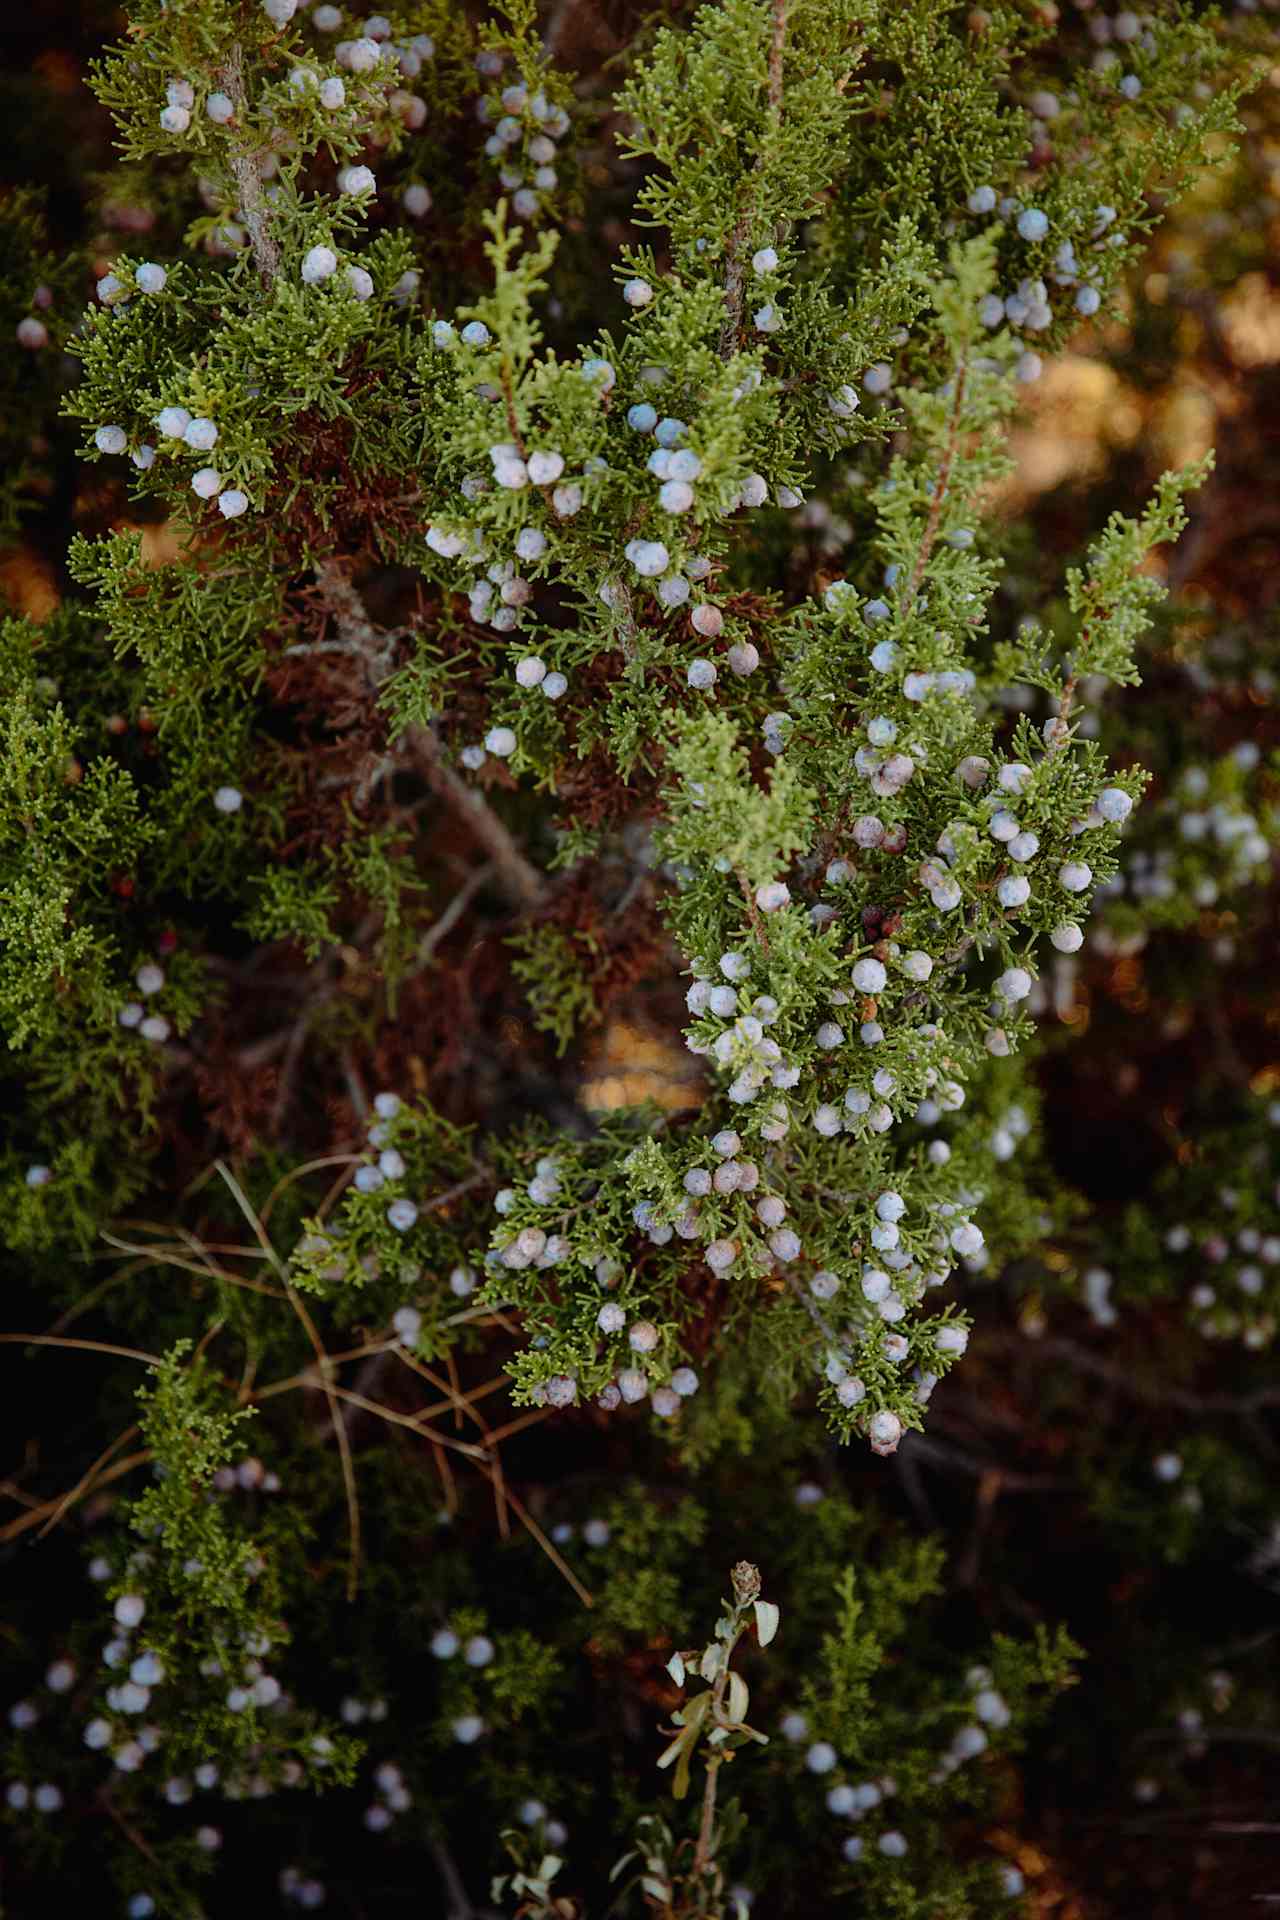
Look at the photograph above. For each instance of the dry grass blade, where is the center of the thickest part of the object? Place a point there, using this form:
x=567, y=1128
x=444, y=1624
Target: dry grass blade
x=37, y=1515
x=84, y=1346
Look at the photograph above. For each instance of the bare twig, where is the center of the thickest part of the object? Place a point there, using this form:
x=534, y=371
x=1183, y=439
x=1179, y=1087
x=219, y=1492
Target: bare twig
x=938, y=498
x=246, y=168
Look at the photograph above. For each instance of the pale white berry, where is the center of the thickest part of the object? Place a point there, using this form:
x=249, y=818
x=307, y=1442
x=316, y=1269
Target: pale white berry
x=545, y=468
x=318, y=264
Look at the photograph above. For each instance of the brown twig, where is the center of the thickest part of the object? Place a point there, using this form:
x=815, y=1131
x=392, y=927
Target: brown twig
x=246, y=169
x=938, y=497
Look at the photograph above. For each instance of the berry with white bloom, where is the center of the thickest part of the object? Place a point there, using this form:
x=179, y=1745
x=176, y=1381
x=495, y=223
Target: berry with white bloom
x=111, y=439
x=280, y=12
x=200, y=435
x=318, y=263
x=468, y=1729
x=129, y=1609
x=764, y=260
x=884, y=1431
x=1074, y=876
x=1067, y=938
x=916, y=965
x=773, y=896
x=633, y=1385
x=173, y=422
x=354, y=180
x=1114, y=804
x=967, y=1239
x=701, y=674
x=1032, y=224
x=530, y=671
x=407, y=1322
x=637, y=293
x=175, y=119
x=869, y=976
x=821, y=1757
x=360, y=282
x=478, y=1651
x=232, y=502
x=149, y=278
x=500, y=741
x=401, y=1214
x=1014, y=890
x=545, y=467
x=990, y=1707
x=951, y=1339
x=220, y=108
x=206, y=481
x=648, y=557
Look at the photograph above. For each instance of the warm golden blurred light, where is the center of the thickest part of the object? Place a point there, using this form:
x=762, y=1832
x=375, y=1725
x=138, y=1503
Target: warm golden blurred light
x=632, y=1066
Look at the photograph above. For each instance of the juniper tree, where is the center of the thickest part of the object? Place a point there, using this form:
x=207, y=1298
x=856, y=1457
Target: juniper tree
x=539, y=643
